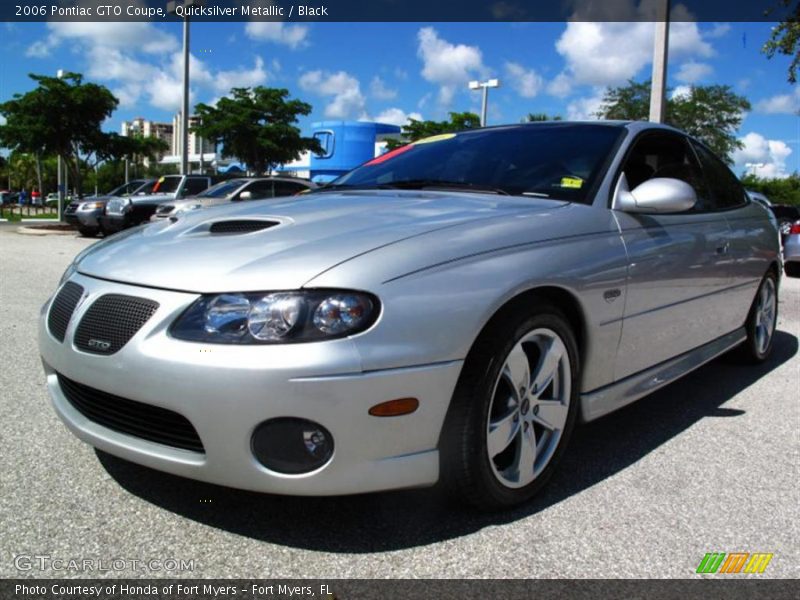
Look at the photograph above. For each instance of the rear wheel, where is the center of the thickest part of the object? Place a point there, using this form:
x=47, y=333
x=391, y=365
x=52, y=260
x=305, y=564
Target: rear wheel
x=761, y=321
x=792, y=269
x=513, y=410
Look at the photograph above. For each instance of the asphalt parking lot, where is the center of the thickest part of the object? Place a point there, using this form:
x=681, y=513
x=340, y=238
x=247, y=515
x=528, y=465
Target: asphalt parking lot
x=709, y=464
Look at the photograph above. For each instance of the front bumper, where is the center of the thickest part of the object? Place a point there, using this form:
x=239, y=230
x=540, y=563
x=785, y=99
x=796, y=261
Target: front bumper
x=114, y=223
x=84, y=218
x=791, y=250
x=226, y=391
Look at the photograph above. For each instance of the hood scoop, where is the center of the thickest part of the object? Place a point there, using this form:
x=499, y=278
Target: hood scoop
x=240, y=226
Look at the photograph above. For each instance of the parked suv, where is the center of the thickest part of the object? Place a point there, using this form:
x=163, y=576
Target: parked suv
x=235, y=190
x=86, y=213
x=121, y=213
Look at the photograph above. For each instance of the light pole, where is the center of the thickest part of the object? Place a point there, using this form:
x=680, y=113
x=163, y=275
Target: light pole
x=476, y=85
x=658, y=89
x=173, y=7
x=61, y=193
x=754, y=166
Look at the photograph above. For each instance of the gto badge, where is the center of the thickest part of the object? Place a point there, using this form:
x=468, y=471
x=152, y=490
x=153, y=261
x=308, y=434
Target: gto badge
x=99, y=344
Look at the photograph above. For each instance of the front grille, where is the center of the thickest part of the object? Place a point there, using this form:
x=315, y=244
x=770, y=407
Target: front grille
x=62, y=308
x=138, y=419
x=241, y=226
x=112, y=321
x=72, y=207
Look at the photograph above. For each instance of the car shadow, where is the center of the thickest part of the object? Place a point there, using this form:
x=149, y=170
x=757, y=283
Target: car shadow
x=396, y=520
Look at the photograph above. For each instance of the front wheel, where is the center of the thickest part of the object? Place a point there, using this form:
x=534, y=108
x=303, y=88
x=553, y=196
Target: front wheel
x=513, y=410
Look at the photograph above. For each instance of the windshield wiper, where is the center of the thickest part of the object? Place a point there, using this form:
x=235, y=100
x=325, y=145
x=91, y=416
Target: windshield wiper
x=419, y=184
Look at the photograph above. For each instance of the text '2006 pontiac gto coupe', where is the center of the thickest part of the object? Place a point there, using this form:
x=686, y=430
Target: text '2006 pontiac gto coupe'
x=446, y=311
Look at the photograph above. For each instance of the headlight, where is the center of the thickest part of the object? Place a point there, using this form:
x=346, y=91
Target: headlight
x=90, y=206
x=185, y=209
x=277, y=317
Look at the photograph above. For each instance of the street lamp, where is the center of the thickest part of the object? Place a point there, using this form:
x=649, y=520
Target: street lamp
x=476, y=85
x=172, y=7
x=61, y=184
x=754, y=166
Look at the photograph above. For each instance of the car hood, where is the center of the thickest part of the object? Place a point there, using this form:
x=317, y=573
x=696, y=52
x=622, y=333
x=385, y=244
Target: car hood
x=306, y=236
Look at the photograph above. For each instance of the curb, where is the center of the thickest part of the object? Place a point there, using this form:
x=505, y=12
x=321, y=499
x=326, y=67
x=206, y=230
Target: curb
x=32, y=231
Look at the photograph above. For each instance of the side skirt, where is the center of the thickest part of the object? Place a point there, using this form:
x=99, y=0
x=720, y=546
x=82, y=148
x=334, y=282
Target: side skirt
x=607, y=399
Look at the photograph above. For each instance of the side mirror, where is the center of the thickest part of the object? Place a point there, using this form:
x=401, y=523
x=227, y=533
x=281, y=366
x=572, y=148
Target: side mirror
x=658, y=195
x=246, y=196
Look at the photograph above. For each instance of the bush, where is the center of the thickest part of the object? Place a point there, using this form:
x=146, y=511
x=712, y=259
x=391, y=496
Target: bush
x=779, y=191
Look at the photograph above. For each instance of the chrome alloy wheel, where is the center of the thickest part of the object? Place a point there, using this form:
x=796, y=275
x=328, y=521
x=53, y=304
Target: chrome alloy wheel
x=529, y=408
x=765, y=315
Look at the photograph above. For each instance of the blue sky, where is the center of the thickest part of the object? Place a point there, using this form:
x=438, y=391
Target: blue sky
x=389, y=71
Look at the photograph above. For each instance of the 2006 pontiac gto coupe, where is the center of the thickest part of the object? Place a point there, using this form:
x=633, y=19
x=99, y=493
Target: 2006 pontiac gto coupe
x=446, y=311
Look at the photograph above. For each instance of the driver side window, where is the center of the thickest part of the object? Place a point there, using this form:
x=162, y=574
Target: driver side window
x=665, y=155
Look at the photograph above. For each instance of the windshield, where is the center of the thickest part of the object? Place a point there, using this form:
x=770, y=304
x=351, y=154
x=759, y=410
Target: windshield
x=223, y=189
x=167, y=185
x=126, y=188
x=550, y=160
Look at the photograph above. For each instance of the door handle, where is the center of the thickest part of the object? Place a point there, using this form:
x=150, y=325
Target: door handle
x=723, y=249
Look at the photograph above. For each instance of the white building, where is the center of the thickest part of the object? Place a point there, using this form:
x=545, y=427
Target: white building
x=146, y=128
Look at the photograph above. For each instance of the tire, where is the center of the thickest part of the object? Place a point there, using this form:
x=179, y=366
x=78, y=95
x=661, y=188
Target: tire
x=792, y=269
x=760, y=324
x=88, y=231
x=485, y=447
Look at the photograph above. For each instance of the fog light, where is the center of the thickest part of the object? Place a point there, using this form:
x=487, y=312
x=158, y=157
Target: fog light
x=292, y=445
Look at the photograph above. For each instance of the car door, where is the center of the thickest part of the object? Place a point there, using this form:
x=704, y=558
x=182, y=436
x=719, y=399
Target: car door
x=753, y=238
x=679, y=264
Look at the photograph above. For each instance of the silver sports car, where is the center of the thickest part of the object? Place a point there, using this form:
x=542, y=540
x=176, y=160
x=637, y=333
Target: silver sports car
x=446, y=311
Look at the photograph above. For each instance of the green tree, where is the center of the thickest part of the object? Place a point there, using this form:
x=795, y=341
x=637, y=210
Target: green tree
x=711, y=113
x=539, y=117
x=416, y=130
x=785, y=39
x=258, y=126
x=62, y=117
x=780, y=191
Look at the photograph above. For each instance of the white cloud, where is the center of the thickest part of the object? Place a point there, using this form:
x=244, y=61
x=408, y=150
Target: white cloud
x=610, y=53
x=450, y=66
x=2, y=120
x=780, y=104
x=347, y=100
x=770, y=155
x=139, y=61
x=527, y=82
x=379, y=90
x=560, y=86
x=693, y=72
x=718, y=30
x=225, y=80
x=141, y=36
x=681, y=91
x=294, y=36
x=396, y=116
x=585, y=109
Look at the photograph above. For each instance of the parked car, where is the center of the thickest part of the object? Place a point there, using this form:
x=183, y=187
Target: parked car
x=234, y=190
x=7, y=197
x=121, y=213
x=785, y=214
x=87, y=213
x=791, y=251
x=448, y=310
